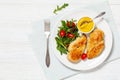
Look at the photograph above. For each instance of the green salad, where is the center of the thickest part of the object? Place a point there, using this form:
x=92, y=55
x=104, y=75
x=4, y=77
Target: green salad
x=67, y=33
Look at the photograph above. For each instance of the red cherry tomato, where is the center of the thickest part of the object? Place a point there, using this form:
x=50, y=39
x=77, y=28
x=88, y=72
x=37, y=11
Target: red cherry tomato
x=62, y=33
x=84, y=56
x=68, y=23
x=73, y=24
x=69, y=35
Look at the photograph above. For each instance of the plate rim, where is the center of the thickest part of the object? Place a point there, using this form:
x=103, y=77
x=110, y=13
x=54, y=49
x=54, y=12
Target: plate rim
x=60, y=18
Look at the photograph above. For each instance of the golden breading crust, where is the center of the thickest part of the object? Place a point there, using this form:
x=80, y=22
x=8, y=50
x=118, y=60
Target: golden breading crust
x=76, y=48
x=95, y=44
x=96, y=50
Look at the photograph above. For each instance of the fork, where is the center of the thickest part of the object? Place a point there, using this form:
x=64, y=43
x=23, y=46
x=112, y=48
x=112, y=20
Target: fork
x=47, y=34
x=99, y=15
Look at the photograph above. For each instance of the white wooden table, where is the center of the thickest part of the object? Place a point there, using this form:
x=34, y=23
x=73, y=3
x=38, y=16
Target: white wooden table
x=17, y=59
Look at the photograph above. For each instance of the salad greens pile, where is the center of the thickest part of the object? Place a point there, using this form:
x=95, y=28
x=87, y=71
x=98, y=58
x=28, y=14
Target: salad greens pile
x=67, y=33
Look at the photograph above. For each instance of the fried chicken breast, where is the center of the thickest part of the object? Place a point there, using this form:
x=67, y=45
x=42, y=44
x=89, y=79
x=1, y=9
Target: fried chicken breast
x=95, y=43
x=76, y=48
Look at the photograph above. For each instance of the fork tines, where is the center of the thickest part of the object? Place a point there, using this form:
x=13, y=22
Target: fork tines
x=47, y=24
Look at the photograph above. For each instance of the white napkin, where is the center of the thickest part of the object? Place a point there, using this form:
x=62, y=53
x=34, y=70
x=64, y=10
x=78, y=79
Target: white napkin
x=106, y=73
x=56, y=70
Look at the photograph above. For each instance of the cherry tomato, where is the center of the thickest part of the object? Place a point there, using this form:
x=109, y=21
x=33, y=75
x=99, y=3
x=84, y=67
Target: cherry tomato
x=73, y=24
x=84, y=56
x=62, y=33
x=70, y=35
x=68, y=23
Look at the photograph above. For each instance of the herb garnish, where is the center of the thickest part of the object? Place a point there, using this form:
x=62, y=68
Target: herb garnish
x=59, y=8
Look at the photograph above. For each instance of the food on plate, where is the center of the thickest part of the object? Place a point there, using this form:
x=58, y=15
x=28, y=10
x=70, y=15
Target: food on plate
x=85, y=25
x=84, y=56
x=62, y=33
x=67, y=33
x=76, y=48
x=95, y=43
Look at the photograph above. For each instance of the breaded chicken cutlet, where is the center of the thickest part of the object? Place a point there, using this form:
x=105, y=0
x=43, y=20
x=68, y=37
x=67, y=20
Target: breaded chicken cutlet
x=76, y=48
x=95, y=44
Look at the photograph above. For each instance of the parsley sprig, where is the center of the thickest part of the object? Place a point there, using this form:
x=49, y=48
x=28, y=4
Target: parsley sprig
x=59, y=8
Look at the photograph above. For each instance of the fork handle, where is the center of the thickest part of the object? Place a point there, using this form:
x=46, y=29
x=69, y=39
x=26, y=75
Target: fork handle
x=47, y=53
x=99, y=15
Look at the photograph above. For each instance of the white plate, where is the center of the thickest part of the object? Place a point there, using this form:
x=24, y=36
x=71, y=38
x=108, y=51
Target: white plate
x=88, y=64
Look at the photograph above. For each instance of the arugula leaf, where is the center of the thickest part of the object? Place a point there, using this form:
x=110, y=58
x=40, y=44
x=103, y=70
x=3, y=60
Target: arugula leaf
x=59, y=42
x=67, y=41
x=63, y=23
x=59, y=8
x=60, y=46
x=61, y=49
x=63, y=42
